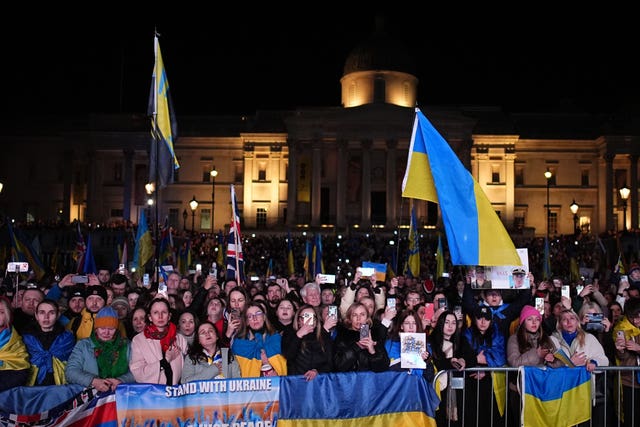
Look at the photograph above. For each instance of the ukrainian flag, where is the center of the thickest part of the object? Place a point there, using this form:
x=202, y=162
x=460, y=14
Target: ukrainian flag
x=474, y=231
x=555, y=397
x=407, y=400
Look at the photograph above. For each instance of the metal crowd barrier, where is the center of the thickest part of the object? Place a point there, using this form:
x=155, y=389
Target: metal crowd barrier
x=606, y=398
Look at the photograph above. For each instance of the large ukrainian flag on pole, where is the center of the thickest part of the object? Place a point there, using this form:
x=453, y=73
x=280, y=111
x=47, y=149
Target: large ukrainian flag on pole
x=475, y=233
x=164, y=129
x=555, y=397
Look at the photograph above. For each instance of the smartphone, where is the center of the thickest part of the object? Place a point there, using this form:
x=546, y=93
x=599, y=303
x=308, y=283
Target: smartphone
x=624, y=278
x=540, y=305
x=145, y=280
x=367, y=271
x=214, y=270
x=79, y=279
x=333, y=311
x=391, y=303
x=327, y=278
x=442, y=303
x=428, y=311
x=579, y=288
x=620, y=334
x=198, y=268
x=364, y=331
x=457, y=310
x=565, y=291
x=121, y=268
x=254, y=278
x=233, y=315
x=17, y=267
x=595, y=317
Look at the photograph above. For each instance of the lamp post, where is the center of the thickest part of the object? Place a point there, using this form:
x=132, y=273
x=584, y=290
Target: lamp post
x=214, y=173
x=193, y=204
x=624, y=194
x=574, y=210
x=548, y=176
x=184, y=219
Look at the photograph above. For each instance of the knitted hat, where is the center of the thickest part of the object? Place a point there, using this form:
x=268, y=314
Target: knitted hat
x=528, y=311
x=634, y=266
x=106, y=318
x=96, y=290
x=76, y=291
x=120, y=301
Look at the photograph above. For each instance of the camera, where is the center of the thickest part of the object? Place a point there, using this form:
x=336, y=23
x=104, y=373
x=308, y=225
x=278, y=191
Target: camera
x=79, y=279
x=17, y=267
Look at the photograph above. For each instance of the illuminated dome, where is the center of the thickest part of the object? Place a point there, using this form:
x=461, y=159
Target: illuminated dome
x=379, y=70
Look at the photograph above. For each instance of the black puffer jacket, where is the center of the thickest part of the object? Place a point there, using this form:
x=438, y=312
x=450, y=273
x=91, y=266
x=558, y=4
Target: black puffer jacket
x=349, y=357
x=306, y=353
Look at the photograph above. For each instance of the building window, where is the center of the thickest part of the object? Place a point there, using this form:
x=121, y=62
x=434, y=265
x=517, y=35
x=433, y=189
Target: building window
x=585, y=178
x=585, y=224
x=553, y=222
x=519, y=176
x=518, y=223
x=206, y=172
x=262, y=175
x=495, y=176
x=261, y=218
x=174, y=215
x=205, y=219
x=552, y=180
x=237, y=174
x=117, y=172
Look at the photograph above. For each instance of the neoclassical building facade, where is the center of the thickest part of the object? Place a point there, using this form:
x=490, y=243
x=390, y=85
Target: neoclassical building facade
x=332, y=167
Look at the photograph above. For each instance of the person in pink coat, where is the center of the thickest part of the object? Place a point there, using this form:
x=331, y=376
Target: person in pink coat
x=157, y=354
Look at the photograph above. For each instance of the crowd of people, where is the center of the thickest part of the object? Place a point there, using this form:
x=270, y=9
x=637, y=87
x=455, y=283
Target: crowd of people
x=115, y=329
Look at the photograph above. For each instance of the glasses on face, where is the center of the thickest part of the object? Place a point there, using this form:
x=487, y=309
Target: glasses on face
x=255, y=316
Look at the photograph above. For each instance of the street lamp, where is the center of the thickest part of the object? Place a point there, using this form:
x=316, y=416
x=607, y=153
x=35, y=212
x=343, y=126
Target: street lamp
x=184, y=219
x=193, y=204
x=214, y=173
x=548, y=176
x=574, y=210
x=624, y=194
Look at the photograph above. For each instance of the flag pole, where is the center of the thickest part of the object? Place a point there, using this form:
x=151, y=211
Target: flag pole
x=156, y=141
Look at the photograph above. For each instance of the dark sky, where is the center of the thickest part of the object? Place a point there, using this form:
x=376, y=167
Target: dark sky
x=242, y=60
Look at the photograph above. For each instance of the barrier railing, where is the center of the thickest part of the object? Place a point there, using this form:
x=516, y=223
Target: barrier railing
x=479, y=408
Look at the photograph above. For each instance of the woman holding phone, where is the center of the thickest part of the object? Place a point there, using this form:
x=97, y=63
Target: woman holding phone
x=307, y=346
x=355, y=347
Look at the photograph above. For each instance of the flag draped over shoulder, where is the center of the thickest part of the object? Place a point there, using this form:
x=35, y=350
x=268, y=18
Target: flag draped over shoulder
x=22, y=251
x=291, y=269
x=164, y=128
x=412, y=266
x=235, y=259
x=144, y=243
x=555, y=397
x=475, y=233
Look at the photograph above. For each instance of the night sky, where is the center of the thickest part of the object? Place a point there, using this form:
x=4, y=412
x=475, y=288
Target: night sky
x=241, y=60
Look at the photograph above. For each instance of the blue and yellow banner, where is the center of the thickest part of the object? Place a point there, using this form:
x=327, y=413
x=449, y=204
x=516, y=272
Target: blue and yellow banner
x=380, y=269
x=555, y=397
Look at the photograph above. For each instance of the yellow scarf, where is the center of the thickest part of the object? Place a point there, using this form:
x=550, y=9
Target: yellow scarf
x=14, y=354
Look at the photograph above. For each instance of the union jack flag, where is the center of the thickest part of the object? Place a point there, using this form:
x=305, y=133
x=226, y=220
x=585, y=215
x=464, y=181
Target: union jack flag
x=235, y=261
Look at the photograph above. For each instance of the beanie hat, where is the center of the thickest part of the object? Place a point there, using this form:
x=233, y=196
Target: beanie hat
x=106, y=318
x=482, y=312
x=96, y=290
x=634, y=266
x=528, y=311
x=76, y=291
x=120, y=301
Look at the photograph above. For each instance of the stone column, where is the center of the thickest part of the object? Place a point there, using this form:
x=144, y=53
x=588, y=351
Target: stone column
x=292, y=184
x=366, y=184
x=609, y=191
x=341, y=185
x=633, y=159
x=392, y=184
x=316, y=183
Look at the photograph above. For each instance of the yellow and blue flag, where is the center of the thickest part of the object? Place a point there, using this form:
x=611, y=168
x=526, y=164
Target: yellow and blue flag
x=291, y=269
x=164, y=128
x=380, y=269
x=414, y=401
x=555, y=397
x=439, y=258
x=412, y=266
x=475, y=233
x=144, y=243
x=22, y=251
x=89, y=266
